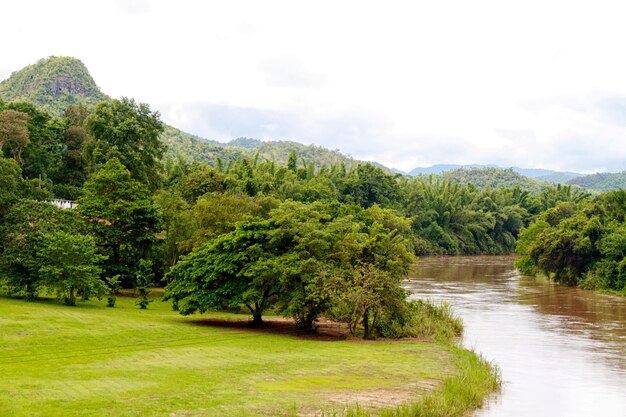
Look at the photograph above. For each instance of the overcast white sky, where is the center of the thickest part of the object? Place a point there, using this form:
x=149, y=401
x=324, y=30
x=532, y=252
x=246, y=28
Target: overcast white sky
x=415, y=83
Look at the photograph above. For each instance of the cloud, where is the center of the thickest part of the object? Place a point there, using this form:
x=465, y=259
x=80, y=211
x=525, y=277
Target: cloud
x=582, y=132
x=612, y=109
x=360, y=134
x=575, y=134
x=5, y=73
x=134, y=6
x=288, y=71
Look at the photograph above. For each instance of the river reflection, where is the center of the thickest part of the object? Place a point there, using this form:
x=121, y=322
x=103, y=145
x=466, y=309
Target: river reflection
x=562, y=350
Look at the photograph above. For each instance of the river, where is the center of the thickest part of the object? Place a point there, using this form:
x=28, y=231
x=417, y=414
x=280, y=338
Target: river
x=561, y=350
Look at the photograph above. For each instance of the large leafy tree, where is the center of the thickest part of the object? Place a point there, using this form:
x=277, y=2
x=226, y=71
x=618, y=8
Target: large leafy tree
x=179, y=225
x=301, y=259
x=122, y=217
x=372, y=260
x=70, y=265
x=14, y=132
x=41, y=155
x=216, y=214
x=129, y=131
x=10, y=183
x=368, y=185
x=226, y=272
x=22, y=235
x=77, y=145
x=199, y=182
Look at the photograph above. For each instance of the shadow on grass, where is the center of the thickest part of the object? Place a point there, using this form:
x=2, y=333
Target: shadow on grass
x=52, y=301
x=324, y=331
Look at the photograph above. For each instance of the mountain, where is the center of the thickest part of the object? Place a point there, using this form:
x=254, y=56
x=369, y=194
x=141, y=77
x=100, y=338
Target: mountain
x=52, y=84
x=245, y=143
x=602, y=181
x=547, y=175
x=439, y=168
x=494, y=178
x=559, y=177
x=56, y=82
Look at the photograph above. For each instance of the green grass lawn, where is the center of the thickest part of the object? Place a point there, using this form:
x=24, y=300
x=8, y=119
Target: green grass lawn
x=91, y=360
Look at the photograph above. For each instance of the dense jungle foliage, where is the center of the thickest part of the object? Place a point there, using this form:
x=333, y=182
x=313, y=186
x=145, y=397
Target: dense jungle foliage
x=579, y=243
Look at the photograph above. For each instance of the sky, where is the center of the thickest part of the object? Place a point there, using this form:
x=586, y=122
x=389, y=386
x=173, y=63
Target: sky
x=537, y=84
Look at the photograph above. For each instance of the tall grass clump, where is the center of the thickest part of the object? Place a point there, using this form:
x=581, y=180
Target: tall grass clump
x=423, y=319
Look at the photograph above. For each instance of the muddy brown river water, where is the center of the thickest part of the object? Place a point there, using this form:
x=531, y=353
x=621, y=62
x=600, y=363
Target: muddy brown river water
x=561, y=350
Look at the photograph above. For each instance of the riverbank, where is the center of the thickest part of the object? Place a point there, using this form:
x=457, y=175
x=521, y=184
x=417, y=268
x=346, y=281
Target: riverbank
x=92, y=360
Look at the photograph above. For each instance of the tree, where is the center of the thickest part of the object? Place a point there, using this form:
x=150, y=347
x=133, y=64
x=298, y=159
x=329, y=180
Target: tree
x=563, y=241
x=179, y=224
x=77, y=114
x=292, y=162
x=145, y=280
x=200, y=182
x=70, y=265
x=298, y=259
x=364, y=294
x=226, y=272
x=216, y=214
x=22, y=240
x=129, y=131
x=373, y=261
x=10, y=184
x=14, y=132
x=112, y=286
x=122, y=217
x=74, y=165
x=368, y=185
x=42, y=155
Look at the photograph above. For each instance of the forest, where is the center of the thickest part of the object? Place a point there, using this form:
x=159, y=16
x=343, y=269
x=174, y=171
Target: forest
x=579, y=243
x=302, y=238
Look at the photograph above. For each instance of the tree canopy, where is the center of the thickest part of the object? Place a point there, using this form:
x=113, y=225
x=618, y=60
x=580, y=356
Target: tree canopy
x=122, y=217
x=130, y=132
x=579, y=243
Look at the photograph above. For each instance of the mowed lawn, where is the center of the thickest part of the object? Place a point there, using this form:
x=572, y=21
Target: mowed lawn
x=91, y=360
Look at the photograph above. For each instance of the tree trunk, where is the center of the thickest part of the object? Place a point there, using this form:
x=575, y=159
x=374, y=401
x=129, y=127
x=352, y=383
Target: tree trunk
x=257, y=319
x=257, y=314
x=366, y=324
x=71, y=297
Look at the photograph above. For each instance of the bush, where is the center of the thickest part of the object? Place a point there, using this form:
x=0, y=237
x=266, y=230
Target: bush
x=525, y=266
x=421, y=318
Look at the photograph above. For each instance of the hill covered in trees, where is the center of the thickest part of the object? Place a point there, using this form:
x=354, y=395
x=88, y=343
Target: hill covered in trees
x=546, y=175
x=602, y=181
x=54, y=83
x=494, y=178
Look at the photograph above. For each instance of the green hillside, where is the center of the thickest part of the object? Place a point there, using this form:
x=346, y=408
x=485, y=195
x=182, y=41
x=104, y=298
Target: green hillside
x=602, y=181
x=52, y=83
x=494, y=178
x=559, y=177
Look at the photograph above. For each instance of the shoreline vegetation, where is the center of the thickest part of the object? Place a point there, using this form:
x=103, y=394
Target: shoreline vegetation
x=94, y=360
x=579, y=244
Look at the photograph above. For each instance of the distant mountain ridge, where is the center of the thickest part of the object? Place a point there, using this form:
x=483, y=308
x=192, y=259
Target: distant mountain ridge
x=494, y=177
x=547, y=175
x=56, y=82
x=602, y=181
